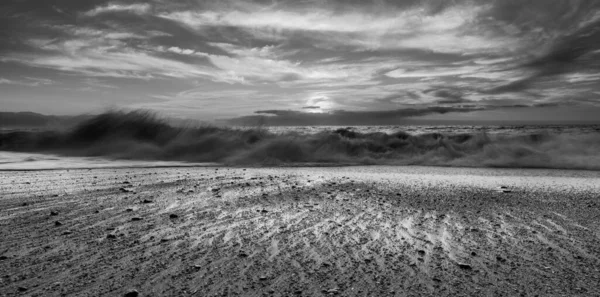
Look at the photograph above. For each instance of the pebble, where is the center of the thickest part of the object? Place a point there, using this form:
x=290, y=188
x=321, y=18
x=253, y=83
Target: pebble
x=173, y=216
x=2, y=258
x=146, y=201
x=22, y=289
x=465, y=266
x=58, y=223
x=54, y=213
x=136, y=219
x=132, y=293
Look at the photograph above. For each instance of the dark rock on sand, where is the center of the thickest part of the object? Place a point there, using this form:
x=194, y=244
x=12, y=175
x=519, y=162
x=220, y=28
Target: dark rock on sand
x=132, y=293
x=465, y=266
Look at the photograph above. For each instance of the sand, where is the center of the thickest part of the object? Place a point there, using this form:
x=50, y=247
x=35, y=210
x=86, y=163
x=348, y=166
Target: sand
x=346, y=231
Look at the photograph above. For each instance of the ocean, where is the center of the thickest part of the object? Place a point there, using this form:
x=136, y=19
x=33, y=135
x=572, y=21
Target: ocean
x=447, y=129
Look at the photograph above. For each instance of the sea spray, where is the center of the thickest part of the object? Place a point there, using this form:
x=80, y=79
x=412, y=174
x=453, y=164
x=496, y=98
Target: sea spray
x=144, y=136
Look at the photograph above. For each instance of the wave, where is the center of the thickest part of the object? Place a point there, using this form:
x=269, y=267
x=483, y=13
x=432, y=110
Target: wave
x=141, y=135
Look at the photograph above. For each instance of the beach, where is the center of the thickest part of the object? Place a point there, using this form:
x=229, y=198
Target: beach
x=299, y=231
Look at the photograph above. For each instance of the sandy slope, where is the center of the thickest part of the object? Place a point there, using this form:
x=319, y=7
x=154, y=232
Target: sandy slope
x=353, y=231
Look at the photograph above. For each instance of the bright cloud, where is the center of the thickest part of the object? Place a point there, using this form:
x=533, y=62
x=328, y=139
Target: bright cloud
x=116, y=7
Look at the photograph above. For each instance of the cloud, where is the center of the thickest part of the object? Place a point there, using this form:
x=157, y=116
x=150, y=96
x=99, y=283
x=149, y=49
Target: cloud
x=342, y=117
x=140, y=8
x=27, y=81
x=414, y=27
x=315, y=56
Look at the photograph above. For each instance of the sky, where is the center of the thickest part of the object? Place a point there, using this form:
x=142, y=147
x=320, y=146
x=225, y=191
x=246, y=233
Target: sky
x=305, y=61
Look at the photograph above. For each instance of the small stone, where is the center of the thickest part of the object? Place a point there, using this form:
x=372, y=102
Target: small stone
x=125, y=190
x=111, y=236
x=333, y=291
x=129, y=210
x=173, y=216
x=2, y=258
x=67, y=233
x=421, y=252
x=22, y=289
x=263, y=278
x=465, y=266
x=54, y=213
x=132, y=293
x=147, y=201
x=242, y=255
x=58, y=223
x=136, y=219
x=264, y=211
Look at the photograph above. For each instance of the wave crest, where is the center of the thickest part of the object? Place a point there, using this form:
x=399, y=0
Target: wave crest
x=143, y=135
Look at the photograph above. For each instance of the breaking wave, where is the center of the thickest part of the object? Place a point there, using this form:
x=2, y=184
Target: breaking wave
x=142, y=135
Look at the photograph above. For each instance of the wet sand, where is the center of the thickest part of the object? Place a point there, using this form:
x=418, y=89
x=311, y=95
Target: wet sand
x=347, y=231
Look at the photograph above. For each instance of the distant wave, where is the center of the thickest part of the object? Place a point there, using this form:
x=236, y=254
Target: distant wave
x=142, y=135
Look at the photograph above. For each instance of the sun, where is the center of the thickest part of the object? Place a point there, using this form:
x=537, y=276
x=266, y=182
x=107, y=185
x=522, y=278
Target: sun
x=319, y=104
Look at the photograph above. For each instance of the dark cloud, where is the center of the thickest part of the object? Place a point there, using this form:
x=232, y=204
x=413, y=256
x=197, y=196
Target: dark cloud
x=577, y=24
x=342, y=117
x=448, y=95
